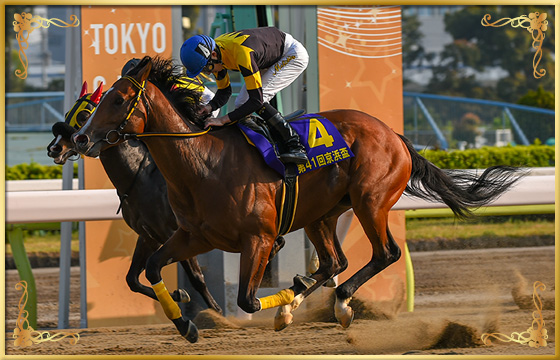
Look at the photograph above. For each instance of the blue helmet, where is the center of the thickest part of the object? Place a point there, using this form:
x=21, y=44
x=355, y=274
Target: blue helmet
x=196, y=52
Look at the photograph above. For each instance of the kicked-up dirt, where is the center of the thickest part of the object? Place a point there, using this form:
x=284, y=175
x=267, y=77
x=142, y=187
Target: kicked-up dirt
x=460, y=294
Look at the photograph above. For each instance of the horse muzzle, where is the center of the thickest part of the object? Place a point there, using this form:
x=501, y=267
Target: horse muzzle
x=84, y=145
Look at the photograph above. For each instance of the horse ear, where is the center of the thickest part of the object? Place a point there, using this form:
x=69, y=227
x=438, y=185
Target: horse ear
x=145, y=71
x=97, y=94
x=84, y=89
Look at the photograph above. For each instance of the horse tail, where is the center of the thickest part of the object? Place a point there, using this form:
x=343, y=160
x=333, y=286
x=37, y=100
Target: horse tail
x=460, y=190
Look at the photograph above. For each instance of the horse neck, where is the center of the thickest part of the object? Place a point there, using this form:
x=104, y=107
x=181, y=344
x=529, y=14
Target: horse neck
x=172, y=154
x=163, y=117
x=122, y=163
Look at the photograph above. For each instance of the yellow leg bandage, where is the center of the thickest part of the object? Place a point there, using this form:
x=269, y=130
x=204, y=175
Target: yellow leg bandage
x=283, y=297
x=170, y=308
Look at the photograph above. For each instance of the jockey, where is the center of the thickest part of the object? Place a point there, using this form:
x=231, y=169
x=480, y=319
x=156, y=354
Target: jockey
x=193, y=83
x=269, y=60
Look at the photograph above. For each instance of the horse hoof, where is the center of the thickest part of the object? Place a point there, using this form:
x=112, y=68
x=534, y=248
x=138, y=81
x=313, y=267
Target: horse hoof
x=281, y=321
x=192, y=332
x=181, y=295
x=343, y=313
x=346, y=319
x=187, y=329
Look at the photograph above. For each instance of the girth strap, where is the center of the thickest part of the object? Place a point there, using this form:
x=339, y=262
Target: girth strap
x=289, y=200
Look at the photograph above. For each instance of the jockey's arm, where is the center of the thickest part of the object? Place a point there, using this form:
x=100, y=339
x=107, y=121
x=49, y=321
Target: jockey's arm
x=224, y=90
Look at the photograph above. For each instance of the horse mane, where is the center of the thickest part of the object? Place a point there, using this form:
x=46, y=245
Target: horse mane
x=165, y=75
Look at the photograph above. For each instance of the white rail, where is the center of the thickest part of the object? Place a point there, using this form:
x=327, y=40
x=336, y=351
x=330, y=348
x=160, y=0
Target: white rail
x=82, y=205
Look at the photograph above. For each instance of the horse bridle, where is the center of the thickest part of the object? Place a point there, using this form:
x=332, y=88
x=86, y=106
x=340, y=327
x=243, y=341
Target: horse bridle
x=141, y=91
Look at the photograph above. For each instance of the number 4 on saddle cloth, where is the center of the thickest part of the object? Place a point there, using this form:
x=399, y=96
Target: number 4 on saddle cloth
x=324, y=146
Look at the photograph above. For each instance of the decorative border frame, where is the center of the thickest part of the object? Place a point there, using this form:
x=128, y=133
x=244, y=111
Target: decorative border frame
x=25, y=24
x=536, y=24
x=536, y=335
x=25, y=335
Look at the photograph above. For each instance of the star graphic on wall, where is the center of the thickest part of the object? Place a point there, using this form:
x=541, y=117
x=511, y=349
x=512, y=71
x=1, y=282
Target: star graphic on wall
x=349, y=84
x=113, y=11
x=374, y=13
x=342, y=39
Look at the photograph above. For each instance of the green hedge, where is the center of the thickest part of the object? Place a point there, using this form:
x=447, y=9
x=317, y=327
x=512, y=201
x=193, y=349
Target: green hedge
x=34, y=170
x=526, y=156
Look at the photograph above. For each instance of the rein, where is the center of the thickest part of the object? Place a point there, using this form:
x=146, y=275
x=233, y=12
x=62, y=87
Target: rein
x=141, y=92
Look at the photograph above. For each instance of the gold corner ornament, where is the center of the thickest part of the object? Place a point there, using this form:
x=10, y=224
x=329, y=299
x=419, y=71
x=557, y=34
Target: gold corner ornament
x=536, y=24
x=536, y=335
x=25, y=24
x=25, y=335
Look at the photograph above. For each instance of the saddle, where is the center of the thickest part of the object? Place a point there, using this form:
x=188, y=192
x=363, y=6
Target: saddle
x=258, y=125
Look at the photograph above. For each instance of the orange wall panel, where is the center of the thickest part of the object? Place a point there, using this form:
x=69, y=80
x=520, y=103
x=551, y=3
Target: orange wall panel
x=111, y=35
x=360, y=67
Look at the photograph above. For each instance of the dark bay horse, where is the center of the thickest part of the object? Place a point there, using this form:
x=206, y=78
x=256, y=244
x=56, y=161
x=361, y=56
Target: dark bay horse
x=226, y=198
x=143, y=193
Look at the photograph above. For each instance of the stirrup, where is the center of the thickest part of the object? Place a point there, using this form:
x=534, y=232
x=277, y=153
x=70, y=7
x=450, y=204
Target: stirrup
x=298, y=157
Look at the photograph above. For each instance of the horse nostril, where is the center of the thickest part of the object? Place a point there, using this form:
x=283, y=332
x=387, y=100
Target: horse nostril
x=81, y=140
x=56, y=148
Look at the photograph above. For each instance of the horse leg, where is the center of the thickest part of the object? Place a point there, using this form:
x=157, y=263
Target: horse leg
x=385, y=252
x=253, y=261
x=180, y=246
x=332, y=261
x=194, y=272
x=141, y=253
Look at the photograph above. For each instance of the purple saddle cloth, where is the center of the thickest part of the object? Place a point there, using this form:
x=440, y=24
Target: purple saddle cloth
x=323, y=143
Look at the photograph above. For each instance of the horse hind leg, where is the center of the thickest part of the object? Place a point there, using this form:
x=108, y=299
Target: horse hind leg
x=331, y=262
x=196, y=277
x=385, y=252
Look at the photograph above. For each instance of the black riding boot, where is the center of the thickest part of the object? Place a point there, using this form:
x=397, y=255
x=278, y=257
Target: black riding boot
x=295, y=152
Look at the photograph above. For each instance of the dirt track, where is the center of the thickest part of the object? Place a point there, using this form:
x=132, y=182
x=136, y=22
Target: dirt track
x=460, y=294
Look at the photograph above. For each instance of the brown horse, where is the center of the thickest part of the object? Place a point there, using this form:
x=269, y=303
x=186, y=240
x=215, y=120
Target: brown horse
x=225, y=197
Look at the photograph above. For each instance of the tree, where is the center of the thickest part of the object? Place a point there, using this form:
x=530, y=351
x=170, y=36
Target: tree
x=414, y=54
x=467, y=128
x=476, y=48
x=539, y=98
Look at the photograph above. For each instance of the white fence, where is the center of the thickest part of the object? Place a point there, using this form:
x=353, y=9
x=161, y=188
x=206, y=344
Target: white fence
x=82, y=205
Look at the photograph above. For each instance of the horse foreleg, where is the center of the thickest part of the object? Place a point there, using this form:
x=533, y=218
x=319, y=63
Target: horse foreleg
x=196, y=277
x=180, y=246
x=142, y=252
x=254, y=258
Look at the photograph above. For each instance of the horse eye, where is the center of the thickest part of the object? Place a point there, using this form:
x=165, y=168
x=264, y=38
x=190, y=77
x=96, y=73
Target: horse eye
x=82, y=117
x=119, y=101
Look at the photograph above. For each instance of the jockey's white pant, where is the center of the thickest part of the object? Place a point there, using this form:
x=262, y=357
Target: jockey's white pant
x=277, y=77
x=205, y=98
